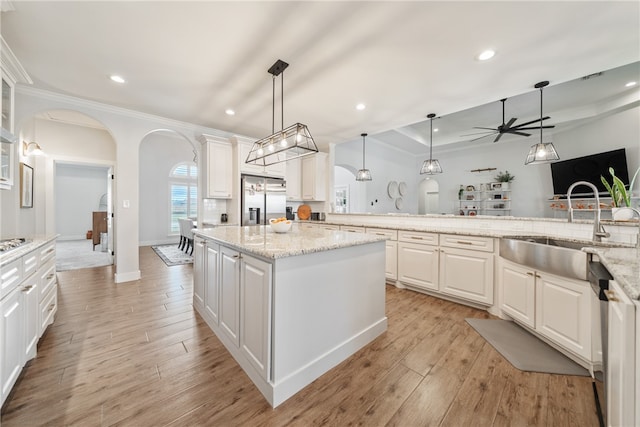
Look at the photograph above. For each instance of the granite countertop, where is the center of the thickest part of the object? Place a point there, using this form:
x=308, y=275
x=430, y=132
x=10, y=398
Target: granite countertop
x=624, y=266
x=262, y=241
x=35, y=243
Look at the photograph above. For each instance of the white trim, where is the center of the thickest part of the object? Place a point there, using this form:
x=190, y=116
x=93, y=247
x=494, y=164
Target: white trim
x=127, y=277
x=12, y=66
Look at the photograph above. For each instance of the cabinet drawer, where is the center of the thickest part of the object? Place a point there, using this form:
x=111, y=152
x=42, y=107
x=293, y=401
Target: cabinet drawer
x=47, y=252
x=467, y=242
x=47, y=278
x=30, y=263
x=10, y=276
x=48, y=308
x=418, y=237
x=352, y=229
x=390, y=234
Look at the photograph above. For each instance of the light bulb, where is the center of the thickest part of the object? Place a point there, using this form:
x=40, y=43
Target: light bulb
x=260, y=151
x=298, y=137
x=283, y=142
x=271, y=148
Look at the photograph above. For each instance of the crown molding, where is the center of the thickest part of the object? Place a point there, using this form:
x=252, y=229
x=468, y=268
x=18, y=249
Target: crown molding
x=6, y=6
x=11, y=65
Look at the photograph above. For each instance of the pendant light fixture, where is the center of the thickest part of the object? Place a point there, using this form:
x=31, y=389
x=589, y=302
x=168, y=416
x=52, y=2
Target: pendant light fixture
x=290, y=143
x=363, y=174
x=431, y=166
x=541, y=152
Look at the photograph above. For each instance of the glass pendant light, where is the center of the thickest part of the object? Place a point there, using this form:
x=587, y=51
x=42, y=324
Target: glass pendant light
x=431, y=166
x=541, y=152
x=363, y=174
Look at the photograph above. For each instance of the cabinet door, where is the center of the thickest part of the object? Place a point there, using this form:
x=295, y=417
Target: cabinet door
x=230, y=293
x=518, y=292
x=621, y=364
x=30, y=294
x=418, y=265
x=467, y=274
x=314, y=177
x=255, y=313
x=220, y=170
x=563, y=312
x=199, y=269
x=294, y=179
x=391, y=260
x=212, y=281
x=11, y=340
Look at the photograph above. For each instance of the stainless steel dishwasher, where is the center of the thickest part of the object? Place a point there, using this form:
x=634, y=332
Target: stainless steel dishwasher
x=599, y=278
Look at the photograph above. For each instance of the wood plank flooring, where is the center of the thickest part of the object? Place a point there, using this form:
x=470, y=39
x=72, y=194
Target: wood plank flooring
x=136, y=354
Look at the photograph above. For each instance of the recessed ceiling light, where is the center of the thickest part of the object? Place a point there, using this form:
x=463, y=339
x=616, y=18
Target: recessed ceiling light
x=631, y=84
x=487, y=54
x=360, y=107
x=435, y=130
x=230, y=112
x=117, y=79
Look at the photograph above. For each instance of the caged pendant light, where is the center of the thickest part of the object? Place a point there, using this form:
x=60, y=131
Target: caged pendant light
x=290, y=143
x=363, y=174
x=431, y=166
x=541, y=152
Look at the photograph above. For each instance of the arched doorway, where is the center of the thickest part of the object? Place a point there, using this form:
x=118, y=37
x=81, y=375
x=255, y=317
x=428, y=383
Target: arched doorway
x=428, y=197
x=349, y=195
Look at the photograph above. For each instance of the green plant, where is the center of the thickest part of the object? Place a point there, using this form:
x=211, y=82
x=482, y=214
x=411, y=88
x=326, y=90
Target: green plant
x=504, y=177
x=619, y=194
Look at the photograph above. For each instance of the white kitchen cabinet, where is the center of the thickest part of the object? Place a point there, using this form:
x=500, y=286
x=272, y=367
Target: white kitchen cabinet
x=518, y=292
x=294, y=179
x=30, y=294
x=314, y=177
x=199, y=272
x=8, y=141
x=219, y=169
x=622, y=369
x=467, y=274
x=212, y=282
x=255, y=313
x=12, y=338
x=418, y=265
x=352, y=229
x=277, y=170
x=563, y=312
x=391, y=250
x=230, y=294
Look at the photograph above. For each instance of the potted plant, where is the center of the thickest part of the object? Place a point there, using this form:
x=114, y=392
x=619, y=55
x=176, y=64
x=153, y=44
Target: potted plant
x=504, y=178
x=620, y=196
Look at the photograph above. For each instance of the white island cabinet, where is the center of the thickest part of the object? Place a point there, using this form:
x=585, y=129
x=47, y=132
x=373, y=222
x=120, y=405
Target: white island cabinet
x=289, y=307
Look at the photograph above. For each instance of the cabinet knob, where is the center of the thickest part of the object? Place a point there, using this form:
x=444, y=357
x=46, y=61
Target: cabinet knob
x=530, y=274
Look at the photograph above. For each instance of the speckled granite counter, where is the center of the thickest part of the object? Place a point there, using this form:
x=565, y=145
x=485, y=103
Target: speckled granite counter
x=624, y=266
x=262, y=241
x=35, y=243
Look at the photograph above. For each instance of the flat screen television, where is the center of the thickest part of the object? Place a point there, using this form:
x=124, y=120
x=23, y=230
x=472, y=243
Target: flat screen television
x=589, y=168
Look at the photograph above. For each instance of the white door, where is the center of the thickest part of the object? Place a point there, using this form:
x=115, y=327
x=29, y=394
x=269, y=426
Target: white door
x=230, y=294
x=518, y=292
x=199, y=273
x=467, y=274
x=212, y=283
x=11, y=340
x=418, y=265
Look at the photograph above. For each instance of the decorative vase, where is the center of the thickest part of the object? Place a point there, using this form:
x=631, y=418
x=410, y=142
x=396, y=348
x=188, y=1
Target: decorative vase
x=505, y=186
x=621, y=214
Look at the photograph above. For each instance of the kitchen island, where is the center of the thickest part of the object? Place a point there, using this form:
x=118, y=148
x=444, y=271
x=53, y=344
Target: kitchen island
x=289, y=306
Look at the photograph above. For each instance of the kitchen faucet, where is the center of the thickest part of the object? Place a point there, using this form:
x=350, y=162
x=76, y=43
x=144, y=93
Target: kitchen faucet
x=598, y=230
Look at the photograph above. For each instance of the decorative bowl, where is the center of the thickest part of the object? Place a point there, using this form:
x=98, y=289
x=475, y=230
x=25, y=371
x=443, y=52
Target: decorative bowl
x=280, y=226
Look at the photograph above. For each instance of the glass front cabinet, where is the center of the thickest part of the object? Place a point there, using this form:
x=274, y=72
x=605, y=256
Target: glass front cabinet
x=7, y=139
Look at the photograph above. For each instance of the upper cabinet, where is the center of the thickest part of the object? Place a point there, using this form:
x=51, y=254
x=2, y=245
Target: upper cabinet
x=244, y=147
x=11, y=73
x=294, y=179
x=314, y=177
x=219, y=167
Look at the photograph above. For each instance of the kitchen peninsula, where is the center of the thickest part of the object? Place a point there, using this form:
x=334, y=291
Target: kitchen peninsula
x=289, y=306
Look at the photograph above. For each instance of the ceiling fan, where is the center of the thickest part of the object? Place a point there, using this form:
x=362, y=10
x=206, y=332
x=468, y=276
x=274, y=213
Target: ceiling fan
x=509, y=127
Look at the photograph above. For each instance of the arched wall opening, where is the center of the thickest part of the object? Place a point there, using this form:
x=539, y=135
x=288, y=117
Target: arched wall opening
x=428, y=196
x=349, y=195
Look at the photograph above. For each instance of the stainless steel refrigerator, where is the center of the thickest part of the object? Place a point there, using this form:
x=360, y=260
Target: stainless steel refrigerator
x=262, y=199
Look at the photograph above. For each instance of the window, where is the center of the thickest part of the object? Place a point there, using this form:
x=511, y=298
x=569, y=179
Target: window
x=183, y=190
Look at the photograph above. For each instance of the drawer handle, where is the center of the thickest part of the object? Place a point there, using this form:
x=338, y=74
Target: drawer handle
x=49, y=251
x=50, y=276
x=51, y=307
x=530, y=274
x=27, y=288
x=380, y=234
x=417, y=238
x=611, y=296
x=538, y=276
x=464, y=242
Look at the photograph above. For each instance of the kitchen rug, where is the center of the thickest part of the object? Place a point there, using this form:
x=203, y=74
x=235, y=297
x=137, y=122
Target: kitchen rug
x=523, y=350
x=172, y=255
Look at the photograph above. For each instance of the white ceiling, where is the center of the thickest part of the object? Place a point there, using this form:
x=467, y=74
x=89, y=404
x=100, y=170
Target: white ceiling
x=190, y=61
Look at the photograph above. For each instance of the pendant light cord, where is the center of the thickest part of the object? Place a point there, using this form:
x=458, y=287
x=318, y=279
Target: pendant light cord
x=541, y=115
x=282, y=101
x=273, y=105
x=431, y=140
x=363, y=137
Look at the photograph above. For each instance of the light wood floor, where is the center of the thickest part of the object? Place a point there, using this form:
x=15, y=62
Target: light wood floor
x=136, y=354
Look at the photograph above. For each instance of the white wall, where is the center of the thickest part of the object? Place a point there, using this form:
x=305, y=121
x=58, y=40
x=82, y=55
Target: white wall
x=386, y=164
x=78, y=190
x=159, y=153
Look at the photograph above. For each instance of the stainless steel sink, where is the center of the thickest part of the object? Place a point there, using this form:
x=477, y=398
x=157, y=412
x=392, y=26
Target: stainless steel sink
x=554, y=256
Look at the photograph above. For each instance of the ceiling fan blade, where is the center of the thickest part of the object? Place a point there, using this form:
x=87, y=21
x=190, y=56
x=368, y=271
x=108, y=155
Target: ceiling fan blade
x=532, y=121
x=493, y=129
x=509, y=123
x=498, y=137
x=536, y=127
x=519, y=133
x=475, y=139
x=479, y=133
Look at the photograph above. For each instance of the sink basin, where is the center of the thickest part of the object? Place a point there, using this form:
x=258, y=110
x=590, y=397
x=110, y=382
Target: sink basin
x=554, y=256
